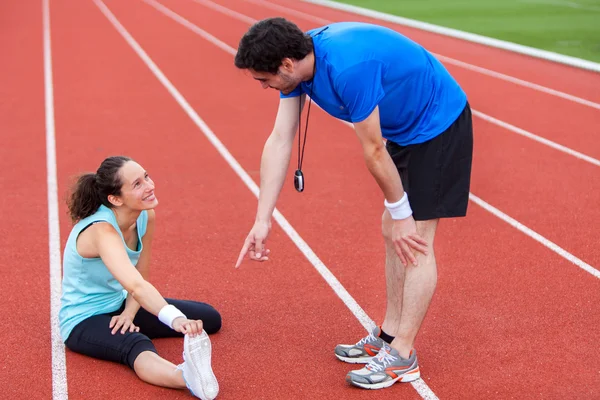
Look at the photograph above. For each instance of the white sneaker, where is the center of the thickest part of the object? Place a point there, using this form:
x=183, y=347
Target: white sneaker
x=197, y=372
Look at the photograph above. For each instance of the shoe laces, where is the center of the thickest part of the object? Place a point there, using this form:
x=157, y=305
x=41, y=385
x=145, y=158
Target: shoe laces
x=366, y=339
x=381, y=360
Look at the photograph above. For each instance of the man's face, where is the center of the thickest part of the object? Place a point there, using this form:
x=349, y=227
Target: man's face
x=285, y=80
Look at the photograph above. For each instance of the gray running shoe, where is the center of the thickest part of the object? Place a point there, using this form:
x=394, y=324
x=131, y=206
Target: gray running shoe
x=361, y=352
x=385, y=369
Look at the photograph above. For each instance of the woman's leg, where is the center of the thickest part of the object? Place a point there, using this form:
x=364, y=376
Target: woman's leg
x=196, y=371
x=93, y=338
x=152, y=368
x=153, y=328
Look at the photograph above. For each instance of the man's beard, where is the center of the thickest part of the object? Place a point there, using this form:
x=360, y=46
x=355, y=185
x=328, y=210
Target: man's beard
x=289, y=84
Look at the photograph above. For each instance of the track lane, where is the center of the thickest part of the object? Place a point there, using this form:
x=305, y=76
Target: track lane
x=24, y=260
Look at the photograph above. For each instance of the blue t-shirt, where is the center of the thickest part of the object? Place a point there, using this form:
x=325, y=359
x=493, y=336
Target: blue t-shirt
x=360, y=66
x=88, y=287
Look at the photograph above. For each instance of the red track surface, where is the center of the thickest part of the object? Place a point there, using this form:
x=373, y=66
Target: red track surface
x=23, y=207
x=510, y=319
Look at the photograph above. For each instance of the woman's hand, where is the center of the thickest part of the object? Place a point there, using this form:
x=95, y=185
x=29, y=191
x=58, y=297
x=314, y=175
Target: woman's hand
x=123, y=322
x=187, y=326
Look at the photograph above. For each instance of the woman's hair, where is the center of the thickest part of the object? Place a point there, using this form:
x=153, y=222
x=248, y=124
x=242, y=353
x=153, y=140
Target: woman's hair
x=268, y=42
x=92, y=189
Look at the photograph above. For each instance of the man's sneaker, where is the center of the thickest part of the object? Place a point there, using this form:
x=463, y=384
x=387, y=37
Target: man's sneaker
x=385, y=369
x=361, y=352
x=197, y=372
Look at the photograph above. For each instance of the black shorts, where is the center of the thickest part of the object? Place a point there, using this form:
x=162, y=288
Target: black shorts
x=436, y=174
x=92, y=337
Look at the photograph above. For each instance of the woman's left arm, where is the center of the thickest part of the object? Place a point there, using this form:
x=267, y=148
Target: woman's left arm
x=125, y=320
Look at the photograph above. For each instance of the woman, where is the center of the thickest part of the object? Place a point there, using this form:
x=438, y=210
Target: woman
x=108, y=308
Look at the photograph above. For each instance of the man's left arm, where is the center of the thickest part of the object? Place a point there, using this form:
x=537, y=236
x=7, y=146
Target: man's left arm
x=361, y=89
x=377, y=158
x=380, y=164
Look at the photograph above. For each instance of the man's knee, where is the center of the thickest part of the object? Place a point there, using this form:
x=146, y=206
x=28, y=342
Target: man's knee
x=386, y=225
x=426, y=229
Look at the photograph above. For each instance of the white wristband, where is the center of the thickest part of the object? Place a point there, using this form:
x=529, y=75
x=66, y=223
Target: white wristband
x=168, y=313
x=400, y=209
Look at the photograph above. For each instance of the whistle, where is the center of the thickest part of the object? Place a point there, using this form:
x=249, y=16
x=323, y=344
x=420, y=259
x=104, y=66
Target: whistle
x=299, y=180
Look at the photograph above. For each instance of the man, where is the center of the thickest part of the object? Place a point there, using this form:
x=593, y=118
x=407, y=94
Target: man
x=396, y=91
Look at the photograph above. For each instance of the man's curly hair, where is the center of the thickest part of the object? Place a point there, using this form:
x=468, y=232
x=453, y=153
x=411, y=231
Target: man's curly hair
x=268, y=42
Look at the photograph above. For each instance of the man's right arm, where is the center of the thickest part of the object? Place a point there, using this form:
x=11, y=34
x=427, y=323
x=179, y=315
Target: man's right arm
x=273, y=168
x=276, y=156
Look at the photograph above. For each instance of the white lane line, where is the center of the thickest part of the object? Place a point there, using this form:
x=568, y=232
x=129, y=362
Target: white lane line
x=537, y=138
x=535, y=236
x=518, y=81
x=290, y=11
x=59, y=365
x=194, y=28
x=226, y=11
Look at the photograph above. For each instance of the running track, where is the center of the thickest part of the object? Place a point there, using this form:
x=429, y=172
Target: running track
x=512, y=317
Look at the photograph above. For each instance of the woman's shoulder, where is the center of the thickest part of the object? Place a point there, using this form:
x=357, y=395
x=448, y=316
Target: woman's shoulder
x=103, y=213
x=86, y=232
x=83, y=224
x=96, y=230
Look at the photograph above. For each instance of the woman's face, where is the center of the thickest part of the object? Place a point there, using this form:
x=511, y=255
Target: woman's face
x=137, y=191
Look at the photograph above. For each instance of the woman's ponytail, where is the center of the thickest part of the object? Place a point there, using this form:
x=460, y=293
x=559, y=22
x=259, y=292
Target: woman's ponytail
x=92, y=190
x=84, y=199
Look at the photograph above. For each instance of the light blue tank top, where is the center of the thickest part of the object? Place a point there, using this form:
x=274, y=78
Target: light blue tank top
x=88, y=287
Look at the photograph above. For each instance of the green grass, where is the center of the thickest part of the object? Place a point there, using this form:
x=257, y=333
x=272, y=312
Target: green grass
x=570, y=27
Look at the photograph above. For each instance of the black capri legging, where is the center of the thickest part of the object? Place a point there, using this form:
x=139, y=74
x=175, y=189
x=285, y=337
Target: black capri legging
x=93, y=336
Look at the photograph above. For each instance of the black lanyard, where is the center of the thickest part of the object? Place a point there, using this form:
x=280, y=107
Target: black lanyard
x=298, y=175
